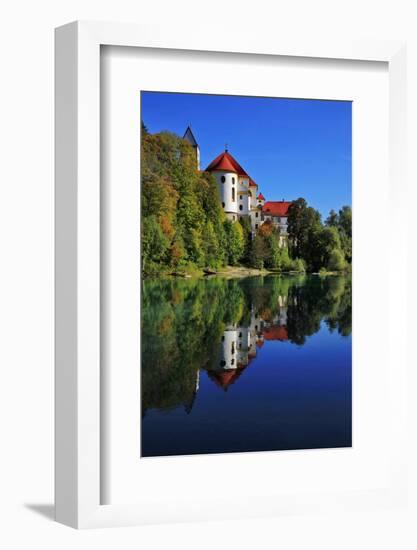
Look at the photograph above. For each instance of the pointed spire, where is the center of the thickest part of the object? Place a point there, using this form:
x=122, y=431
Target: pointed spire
x=189, y=136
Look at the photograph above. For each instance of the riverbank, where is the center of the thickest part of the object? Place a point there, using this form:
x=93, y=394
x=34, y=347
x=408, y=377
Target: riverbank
x=225, y=272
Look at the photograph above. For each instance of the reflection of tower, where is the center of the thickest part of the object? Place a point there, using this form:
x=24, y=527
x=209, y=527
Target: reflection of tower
x=237, y=349
x=188, y=405
x=229, y=349
x=189, y=136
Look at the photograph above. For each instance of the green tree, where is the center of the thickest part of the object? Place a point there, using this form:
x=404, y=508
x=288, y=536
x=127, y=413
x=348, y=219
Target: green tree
x=258, y=252
x=235, y=241
x=210, y=246
x=154, y=243
x=182, y=202
x=336, y=260
x=303, y=222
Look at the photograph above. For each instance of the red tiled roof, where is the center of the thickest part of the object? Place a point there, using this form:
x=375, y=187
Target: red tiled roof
x=252, y=183
x=261, y=197
x=276, y=208
x=225, y=161
x=275, y=332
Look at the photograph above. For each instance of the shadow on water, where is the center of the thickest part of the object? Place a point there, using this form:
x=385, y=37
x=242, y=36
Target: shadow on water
x=200, y=336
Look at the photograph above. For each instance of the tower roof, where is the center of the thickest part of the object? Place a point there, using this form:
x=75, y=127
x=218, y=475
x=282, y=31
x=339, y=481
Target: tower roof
x=226, y=162
x=189, y=136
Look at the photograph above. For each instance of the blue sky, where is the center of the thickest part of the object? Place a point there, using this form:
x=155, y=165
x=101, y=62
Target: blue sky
x=291, y=147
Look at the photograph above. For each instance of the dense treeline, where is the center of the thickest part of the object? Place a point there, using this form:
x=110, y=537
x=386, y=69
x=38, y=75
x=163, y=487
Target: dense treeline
x=184, y=226
x=327, y=246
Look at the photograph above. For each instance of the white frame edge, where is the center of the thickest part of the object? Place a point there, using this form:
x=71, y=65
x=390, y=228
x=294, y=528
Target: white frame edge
x=77, y=229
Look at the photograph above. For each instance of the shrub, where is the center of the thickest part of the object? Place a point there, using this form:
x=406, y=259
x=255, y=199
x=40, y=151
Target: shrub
x=336, y=261
x=299, y=265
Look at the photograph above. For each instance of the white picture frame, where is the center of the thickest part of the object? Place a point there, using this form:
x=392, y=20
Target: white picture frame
x=78, y=298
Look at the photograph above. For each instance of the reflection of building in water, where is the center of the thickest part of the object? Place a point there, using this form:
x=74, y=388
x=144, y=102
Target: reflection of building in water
x=239, y=344
x=276, y=328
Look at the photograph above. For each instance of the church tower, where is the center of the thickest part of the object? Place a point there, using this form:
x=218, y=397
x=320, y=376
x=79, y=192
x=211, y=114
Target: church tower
x=234, y=184
x=189, y=136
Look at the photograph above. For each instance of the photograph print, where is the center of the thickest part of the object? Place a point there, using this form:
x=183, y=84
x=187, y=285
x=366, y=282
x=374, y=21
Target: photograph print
x=246, y=262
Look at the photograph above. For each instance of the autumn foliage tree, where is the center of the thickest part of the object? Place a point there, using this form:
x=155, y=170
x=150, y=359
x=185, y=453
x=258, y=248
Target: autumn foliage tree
x=183, y=223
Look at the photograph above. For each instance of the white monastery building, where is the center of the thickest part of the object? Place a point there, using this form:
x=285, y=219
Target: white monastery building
x=239, y=193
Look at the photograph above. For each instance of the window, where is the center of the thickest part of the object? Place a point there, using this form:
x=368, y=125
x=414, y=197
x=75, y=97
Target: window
x=234, y=217
x=233, y=194
x=240, y=335
x=240, y=207
x=223, y=179
x=223, y=204
x=222, y=363
x=240, y=197
x=279, y=219
x=256, y=215
x=232, y=362
x=233, y=181
x=256, y=226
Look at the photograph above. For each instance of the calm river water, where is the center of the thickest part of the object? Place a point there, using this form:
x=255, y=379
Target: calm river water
x=251, y=364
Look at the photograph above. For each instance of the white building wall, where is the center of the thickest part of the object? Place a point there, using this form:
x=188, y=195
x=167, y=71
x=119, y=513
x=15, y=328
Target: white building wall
x=256, y=218
x=229, y=349
x=243, y=202
x=243, y=183
x=226, y=190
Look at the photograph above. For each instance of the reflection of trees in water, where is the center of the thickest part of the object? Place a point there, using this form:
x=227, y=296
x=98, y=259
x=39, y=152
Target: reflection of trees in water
x=218, y=324
x=319, y=298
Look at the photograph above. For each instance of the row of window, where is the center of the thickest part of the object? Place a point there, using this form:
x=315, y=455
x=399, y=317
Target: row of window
x=241, y=207
x=223, y=180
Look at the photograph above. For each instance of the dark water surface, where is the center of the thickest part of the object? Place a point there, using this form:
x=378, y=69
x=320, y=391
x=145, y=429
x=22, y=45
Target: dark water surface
x=251, y=364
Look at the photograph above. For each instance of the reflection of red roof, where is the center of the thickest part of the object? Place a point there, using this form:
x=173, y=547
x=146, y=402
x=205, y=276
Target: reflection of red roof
x=276, y=332
x=224, y=378
x=261, y=197
x=226, y=162
x=276, y=208
x=260, y=343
